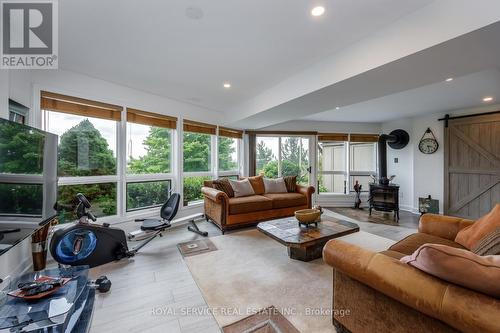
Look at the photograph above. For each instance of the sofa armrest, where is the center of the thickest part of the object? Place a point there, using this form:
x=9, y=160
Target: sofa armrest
x=213, y=194
x=464, y=309
x=442, y=226
x=307, y=191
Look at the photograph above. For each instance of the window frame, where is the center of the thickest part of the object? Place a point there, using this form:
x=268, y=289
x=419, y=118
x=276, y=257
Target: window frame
x=121, y=178
x=348, y=173
x=279, y=157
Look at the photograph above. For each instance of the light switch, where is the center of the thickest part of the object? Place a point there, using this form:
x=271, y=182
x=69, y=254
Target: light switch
x=396, y=160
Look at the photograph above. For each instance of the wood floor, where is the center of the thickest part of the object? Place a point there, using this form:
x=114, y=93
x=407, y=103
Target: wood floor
x=155, y=292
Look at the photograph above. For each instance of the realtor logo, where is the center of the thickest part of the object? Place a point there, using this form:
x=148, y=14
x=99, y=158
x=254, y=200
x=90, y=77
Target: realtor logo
x=29, y=34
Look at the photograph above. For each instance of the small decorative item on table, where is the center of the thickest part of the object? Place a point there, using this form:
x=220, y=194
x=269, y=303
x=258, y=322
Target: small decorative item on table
x=428, y=205
x=308, y=216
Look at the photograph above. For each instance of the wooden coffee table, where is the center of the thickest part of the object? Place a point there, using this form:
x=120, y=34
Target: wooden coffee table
x=306, y=243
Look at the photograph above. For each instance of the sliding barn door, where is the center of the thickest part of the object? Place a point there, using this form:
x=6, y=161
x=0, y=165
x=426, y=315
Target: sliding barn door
x=472, y=166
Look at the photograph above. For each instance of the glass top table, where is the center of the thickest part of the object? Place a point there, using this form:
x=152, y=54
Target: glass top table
x=62, y=311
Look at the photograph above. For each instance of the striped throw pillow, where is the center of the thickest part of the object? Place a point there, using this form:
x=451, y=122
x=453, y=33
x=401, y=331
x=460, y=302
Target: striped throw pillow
x=291, y=183
x=223, y=185
x=489, y=244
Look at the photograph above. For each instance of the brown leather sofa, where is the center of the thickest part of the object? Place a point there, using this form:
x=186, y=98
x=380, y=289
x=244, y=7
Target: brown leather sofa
x=375, y=292
x=232, y=213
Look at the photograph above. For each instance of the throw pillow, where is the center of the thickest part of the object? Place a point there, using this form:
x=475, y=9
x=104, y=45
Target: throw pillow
x=275, y=185
x=470, y=236
x=458, y=266
x=241, y=188
x=223, y=185
x=257, y=183
x=489, y=245
x=291, y=183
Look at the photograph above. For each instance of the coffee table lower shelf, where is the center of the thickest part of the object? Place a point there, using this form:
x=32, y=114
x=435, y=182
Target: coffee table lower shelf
x=306, y=243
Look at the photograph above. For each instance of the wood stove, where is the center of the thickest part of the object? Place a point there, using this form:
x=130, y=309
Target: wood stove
x=385, y=196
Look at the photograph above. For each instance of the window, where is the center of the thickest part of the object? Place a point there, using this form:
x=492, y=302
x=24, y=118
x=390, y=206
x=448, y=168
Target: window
x=87, y=150
x=198, y=142
x=102, y=196
x=283, y=156
x=343, y=160
x=228, y=151
x=148, y=149
x=149, y=159
x=149, y=194
x=21, y=199
x=295, y=158
x=332, y=171
x=362, y=164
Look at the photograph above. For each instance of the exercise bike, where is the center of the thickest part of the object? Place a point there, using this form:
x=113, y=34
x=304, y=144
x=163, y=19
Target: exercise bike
x=87, y=243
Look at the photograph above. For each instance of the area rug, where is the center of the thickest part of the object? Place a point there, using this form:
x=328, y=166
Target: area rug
x=363, y=215
x=250, y=272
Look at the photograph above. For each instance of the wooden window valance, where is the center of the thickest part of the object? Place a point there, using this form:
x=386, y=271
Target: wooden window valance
x=79, y=106
x=333, y=137
x=230, y=133
x=151, y=119
x=364, y=137
x=197, y=127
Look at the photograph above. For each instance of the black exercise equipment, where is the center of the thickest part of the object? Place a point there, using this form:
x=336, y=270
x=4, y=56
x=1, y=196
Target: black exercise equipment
x=194, y=228
x=92, y=244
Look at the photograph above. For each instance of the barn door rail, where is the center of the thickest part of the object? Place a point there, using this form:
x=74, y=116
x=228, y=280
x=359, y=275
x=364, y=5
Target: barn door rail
x=447, y=116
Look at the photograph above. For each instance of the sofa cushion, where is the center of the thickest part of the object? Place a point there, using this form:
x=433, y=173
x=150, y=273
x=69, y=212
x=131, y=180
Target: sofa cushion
x=257, y=183
x=411, y=243
x=249, y=204
x=224, y=185
x=284, y=200
x=459, y=266
x=470, y=236
x=241, y=188
x=275, y=185
x=291, y=183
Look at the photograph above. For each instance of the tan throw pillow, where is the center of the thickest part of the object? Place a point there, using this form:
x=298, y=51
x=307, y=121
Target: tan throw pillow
x=458, y=266
x=241, y=188
x=223, y=185
x=470, y=236
x=257, y=183
x=275, y=185
x=291, y=183
x=489, y=245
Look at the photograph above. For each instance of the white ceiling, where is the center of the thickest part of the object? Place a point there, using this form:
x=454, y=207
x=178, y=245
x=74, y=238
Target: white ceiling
x=406, y=87
x=153, y=46
x=463, y=92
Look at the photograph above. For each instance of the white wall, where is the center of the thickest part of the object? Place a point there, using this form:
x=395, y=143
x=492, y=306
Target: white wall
x=25, y=86
x=419, y=174
x=404, y=168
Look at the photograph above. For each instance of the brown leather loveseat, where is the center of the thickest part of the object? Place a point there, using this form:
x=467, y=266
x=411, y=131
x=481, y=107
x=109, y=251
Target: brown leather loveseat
x=232, y=213
x=383, y=294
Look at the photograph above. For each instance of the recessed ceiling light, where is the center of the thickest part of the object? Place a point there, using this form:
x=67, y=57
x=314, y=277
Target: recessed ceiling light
x=338, y=107
x=227, y=85
x=449, y=79
x=487, y=99
x=318, y=11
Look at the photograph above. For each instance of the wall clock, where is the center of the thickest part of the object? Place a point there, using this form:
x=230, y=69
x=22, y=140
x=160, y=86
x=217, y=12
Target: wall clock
x=428, y=143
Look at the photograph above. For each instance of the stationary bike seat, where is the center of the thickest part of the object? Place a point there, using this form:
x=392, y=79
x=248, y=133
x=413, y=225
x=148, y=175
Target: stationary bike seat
x=154, y=225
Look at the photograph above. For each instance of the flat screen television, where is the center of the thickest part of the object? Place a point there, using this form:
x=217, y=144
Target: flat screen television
x=28, y=180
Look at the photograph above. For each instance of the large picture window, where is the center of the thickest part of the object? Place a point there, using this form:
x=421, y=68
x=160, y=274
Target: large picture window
x=149, y=159
x=198, y=142
x=278, y=156
x=87, y=150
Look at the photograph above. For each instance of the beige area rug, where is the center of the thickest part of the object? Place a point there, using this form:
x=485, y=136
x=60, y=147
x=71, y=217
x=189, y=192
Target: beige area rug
x=251, y=271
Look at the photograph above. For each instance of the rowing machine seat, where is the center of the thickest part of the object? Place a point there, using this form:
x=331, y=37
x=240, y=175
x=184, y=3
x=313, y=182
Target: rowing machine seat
x=167, y=213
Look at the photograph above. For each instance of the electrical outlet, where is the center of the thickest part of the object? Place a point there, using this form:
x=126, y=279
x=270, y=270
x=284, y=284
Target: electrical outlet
x=401, y=195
